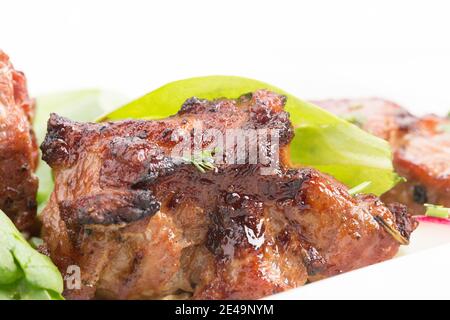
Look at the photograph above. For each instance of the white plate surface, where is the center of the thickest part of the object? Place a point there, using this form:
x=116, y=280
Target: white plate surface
x=420, y=271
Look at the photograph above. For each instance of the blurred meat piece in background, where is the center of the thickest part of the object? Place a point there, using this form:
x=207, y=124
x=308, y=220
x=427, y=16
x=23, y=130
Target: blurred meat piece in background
x=421, y=148
x=18, y=148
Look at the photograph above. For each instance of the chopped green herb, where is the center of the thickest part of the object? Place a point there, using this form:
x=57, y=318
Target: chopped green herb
x=359, y=188
x=203, y=161
x=437, y=211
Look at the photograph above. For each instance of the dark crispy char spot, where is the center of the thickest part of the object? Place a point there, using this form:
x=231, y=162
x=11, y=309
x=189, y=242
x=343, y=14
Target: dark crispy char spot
x=420, y=194
x=61, y=141
x=193, y=105
x=312, y=259
x=266, y=114
x=109, y=208
x=132, y=161
x=405, y=224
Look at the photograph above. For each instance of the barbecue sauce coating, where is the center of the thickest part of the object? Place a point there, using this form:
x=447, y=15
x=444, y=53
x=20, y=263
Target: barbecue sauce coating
x=143, y=225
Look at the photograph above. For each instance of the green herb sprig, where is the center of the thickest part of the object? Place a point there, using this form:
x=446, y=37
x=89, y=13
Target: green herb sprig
x=203, y=161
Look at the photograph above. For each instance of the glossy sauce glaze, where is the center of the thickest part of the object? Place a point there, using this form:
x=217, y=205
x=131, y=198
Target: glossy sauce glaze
x=142, y=224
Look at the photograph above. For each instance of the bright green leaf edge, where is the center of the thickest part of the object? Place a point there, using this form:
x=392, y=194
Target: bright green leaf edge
x=24, y=272
x=359, y=188
x=322, y=140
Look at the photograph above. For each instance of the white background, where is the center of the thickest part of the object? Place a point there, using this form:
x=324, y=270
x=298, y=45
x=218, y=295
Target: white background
x=315, y=49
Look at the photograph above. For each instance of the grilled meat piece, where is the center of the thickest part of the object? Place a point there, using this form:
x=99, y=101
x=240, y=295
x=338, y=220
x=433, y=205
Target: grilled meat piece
x=141, y=224
x=421, y=148
x=18, y=148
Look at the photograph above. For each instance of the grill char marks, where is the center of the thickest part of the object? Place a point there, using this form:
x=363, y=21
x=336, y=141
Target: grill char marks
x=159, y=227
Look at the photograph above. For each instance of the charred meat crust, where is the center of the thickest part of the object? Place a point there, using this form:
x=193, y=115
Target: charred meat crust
x=123, y=168
x=130, y=161
x=403, y=220
x=141, y=224
x=109, y=208
x=61, y=142
x=65, y=138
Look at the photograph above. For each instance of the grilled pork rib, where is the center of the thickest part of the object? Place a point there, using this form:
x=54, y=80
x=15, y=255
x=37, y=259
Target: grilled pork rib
x=140, y=224
x=18, y=148
x=421, y=148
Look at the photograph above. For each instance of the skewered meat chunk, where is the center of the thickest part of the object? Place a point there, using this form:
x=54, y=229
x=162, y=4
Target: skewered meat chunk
x=18, y=148
x=142, y=225
x=421, y=148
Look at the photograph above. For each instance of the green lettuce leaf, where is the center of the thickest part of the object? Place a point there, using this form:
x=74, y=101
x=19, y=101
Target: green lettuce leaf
x=24, y=272
x=322, y=140
x=81, y=105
